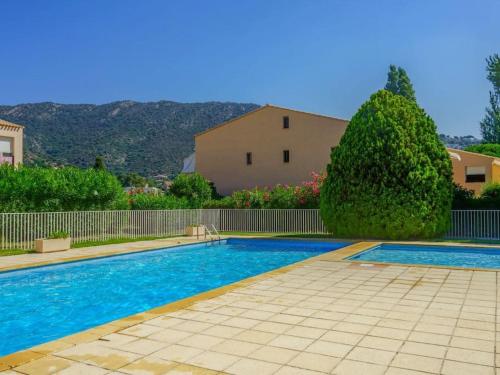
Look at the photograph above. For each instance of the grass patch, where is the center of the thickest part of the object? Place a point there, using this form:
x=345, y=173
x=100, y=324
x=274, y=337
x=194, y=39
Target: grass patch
x=114, y=241
x=8, y=252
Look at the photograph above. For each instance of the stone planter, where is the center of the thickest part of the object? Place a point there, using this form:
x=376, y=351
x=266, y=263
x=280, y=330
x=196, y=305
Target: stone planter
x=195, y=230
x=43, y=245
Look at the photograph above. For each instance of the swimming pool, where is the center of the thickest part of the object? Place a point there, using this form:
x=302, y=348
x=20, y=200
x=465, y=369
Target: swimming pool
x=45, y=303
x=454, y=256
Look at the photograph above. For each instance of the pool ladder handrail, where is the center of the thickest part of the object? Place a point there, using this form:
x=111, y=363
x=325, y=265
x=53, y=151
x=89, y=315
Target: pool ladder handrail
x=212, y=236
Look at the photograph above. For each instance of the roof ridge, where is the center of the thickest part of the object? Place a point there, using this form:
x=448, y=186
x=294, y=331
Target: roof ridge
x=260, y=109
x=8, y=123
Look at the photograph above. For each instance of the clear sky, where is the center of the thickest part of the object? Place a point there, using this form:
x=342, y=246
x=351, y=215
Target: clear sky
x=323, y=56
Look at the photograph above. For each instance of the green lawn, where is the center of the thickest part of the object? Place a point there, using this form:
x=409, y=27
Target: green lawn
x=14, y=252
x=115, y=241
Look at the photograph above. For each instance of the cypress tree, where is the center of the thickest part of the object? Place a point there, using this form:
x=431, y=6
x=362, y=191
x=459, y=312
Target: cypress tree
x=405, y=87
x=99, y=164
x=490, y=125
x=399, y=83
x=392, y=79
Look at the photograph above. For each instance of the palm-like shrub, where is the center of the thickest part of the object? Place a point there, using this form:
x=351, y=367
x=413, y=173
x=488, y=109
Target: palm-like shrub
x=390, y=176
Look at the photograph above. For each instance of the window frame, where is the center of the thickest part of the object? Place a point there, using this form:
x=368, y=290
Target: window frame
x=475, y=177
x=286, y=122
x=249, y=159
x=286, y=156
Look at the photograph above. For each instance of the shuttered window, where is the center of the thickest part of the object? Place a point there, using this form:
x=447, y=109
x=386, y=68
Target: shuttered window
x=475, y=174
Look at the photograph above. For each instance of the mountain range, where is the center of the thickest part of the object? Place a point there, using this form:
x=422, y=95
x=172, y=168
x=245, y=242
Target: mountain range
x=147, y=138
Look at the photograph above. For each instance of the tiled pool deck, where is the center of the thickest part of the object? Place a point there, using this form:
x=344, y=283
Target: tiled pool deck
x=319, y=316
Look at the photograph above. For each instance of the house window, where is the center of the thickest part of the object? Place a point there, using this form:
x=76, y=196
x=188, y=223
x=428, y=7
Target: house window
x=6, y=152
x=249, y=158
x=475, y=174
x=286, y=122
x=286, y=156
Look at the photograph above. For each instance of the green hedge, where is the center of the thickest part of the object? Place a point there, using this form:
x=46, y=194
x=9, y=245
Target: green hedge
x=26, y=189
x=490, y=149
x=489, y=199
x=390, y=176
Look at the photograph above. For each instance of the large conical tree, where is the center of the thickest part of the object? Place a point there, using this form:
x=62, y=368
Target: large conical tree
x=399, y=83
x=390, y=176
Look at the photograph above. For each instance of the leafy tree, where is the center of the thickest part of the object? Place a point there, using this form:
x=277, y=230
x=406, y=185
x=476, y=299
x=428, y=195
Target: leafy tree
x=493, y=69
x=399, y=83
x=194, y=187
x=99, y=163
x=490, y=149
x=490, y=125
x=390, y=176
x=135, y=180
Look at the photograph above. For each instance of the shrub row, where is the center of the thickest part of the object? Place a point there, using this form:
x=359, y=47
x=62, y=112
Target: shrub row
x=25, y=189
x=489, y=199
x=280, y=196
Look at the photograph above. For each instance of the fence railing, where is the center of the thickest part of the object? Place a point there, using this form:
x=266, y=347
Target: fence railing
x=19, y=230
x=272, y=221
x=475, y=224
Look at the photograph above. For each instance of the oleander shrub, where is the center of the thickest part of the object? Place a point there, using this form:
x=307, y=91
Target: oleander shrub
x=390, y=176
x=306, y=195
x=35, y=189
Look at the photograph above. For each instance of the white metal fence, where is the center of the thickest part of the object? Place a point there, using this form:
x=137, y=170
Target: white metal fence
x=272, y=221
x=475, y=224
x=19, y=230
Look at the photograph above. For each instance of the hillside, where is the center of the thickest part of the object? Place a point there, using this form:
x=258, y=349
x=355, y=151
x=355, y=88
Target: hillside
x=147, y=138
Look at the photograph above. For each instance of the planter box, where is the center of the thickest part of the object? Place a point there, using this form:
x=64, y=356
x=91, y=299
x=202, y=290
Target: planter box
x=195, y=230
x=43, y=245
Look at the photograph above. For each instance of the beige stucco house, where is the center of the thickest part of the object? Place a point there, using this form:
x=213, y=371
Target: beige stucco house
x=268, y=146
x=473, y=170
x=11, y=142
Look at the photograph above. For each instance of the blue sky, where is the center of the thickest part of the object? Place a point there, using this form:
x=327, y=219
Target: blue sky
x=313, y=55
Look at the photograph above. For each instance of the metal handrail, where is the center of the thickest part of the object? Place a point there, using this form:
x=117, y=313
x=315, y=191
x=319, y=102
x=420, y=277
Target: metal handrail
x=216, y=232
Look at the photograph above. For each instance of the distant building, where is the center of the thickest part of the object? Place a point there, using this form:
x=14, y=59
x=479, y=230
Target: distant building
x=11, y=143
x=472, y=170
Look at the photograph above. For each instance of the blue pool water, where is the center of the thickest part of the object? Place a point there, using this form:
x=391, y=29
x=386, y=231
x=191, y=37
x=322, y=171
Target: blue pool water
x=455, y=256
x=41, y=304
